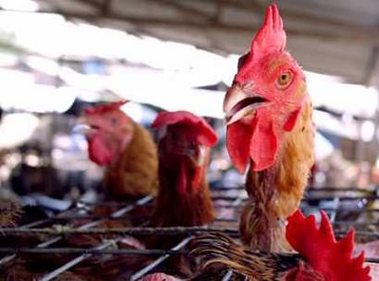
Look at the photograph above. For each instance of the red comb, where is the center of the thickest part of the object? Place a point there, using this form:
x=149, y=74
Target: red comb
x=104, y=107
x=333, y=259
x=207, y=136
x=270, y=38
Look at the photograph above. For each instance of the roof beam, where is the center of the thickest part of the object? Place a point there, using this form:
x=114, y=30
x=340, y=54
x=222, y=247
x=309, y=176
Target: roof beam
x=372, y=74
x=364, y=36
x=257, y=6
x=102, y=6
x=184, y=9
x=106, y=7
x=93, y=3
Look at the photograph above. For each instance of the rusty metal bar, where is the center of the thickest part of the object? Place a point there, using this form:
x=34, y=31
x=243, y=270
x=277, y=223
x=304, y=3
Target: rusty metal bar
x=92, y=251
x=87, y=254
x=51, y=241
x=158, y=261
x=74, y=262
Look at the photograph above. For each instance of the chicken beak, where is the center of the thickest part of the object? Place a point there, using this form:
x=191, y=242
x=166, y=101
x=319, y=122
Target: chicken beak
x=197, y=155
x=237, y=104
x=82, y=127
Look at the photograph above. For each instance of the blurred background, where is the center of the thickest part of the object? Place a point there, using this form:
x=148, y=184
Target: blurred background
x=59, y=56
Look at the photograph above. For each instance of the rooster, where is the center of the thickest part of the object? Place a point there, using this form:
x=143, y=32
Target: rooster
x=320, y=258
x=270, y=129
x=125, y=148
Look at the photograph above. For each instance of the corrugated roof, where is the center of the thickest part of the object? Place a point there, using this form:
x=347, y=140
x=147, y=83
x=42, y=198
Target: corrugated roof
x=339, y=37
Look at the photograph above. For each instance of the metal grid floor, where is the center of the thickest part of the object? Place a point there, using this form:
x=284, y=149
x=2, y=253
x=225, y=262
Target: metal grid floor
x=349, y=207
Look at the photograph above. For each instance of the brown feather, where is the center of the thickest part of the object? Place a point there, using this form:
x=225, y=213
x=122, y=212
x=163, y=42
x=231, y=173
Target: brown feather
x=192, y=208
x=184, y=197
x=10, y=212
x=135, y=173
x=275, y=193
x=215, y=249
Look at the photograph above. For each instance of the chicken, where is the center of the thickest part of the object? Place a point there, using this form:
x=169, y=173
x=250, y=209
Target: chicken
x=320, y=258
x=125, y=148
x=184, y=145
x=269, y=125
x=184, y=197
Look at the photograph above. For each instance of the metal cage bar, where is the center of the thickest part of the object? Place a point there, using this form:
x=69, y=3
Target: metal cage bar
x=337, y=199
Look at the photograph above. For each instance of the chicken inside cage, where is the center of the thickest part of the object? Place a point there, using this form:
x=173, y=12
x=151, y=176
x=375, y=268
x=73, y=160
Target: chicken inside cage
x=81, y=244
x=187, y=197
x=94, y=236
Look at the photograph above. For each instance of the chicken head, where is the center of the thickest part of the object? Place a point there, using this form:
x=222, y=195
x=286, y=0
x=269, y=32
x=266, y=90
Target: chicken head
x=108, y=131
x=266, y=97
x=184, y=142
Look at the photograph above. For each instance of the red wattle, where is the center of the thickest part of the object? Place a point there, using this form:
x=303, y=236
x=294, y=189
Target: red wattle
x=98, y=153
x=182, y=179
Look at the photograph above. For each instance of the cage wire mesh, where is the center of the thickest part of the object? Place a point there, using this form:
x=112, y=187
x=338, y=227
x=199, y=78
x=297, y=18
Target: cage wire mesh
x=86, y=233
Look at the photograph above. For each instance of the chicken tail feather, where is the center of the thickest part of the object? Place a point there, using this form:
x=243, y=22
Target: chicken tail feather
x=219, y=249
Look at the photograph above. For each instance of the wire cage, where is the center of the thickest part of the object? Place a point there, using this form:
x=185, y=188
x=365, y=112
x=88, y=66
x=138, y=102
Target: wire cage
x=92, y=235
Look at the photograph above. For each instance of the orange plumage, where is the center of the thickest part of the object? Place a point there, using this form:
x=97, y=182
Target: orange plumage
x=269, y=125
x=125, y=148
x=136, y=170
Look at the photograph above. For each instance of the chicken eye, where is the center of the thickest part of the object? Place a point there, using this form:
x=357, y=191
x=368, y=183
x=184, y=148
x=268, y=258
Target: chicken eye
x=284, y=80
x=173, y=137
x=114, y=121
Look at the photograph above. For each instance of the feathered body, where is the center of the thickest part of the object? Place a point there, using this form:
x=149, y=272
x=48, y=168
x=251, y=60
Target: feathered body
x=320, y=258
x=276, y=192
x=269, y=126
x=184, y=146
x=183, y=197
x=191, y=208
x=125, y=148
x=135, y=171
